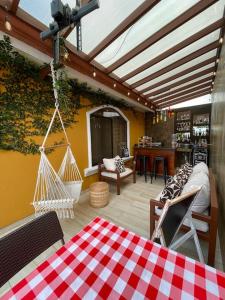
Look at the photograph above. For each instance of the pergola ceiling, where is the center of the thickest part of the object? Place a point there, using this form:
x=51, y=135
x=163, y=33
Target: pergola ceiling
x=159, y=52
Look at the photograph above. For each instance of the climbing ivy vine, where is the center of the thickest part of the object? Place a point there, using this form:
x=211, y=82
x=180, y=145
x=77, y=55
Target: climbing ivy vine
x=27, y=101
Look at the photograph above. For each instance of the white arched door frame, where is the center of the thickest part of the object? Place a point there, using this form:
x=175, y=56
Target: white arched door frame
x=88, y=114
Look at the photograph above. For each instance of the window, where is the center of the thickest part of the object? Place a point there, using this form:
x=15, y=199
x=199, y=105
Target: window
x=108, y=132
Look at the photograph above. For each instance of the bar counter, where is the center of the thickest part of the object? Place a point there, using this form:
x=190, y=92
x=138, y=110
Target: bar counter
x=167, y=152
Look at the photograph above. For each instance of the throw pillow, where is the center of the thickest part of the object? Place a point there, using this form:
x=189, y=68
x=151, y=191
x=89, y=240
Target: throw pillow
x=187, y=168
x=182, y=177
x=119, y=163
x=171, y=191
x=170, y=180
x=109, y=164
x=202, y=201
x=201, y=167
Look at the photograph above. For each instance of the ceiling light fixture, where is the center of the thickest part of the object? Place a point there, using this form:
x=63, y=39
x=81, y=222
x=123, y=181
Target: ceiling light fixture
x=213, y=83
x=146, y=103
x=94, y=74
x=138, y=99
x=114, y=85
x=214, y=73
x=217, y=60
x=66, y=54
x=128, y=94
x=7, y=24
x=221, y=40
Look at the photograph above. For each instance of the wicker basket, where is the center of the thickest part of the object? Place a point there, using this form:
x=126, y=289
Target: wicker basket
x=99, y=194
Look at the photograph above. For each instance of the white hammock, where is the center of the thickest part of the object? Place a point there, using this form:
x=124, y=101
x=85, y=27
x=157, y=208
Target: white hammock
x=54, y=191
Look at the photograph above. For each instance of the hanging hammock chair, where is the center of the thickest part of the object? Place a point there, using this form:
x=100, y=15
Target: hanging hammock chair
x=57, y=191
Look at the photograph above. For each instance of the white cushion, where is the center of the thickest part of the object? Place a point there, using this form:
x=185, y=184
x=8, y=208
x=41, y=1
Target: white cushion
x=201, y=167
x=202, y=200
x=113, y=175
x=109, y=164
x=199, y=225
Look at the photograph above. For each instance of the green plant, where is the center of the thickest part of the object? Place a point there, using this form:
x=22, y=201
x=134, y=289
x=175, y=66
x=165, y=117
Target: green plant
x=27, y=101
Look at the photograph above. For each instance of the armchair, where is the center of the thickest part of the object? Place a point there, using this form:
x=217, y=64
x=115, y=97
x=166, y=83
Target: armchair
x=108, y=175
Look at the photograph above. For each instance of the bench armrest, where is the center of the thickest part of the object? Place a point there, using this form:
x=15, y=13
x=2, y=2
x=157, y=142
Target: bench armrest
x=154, y=203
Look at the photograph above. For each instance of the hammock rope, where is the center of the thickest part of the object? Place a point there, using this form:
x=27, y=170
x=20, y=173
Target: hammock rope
x=57, y=191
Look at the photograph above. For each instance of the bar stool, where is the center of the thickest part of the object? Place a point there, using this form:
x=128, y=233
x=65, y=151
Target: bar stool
x=143, y=163
x=156, y=160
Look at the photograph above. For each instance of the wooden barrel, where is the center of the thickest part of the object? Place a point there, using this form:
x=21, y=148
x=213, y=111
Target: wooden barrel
x=99, y=194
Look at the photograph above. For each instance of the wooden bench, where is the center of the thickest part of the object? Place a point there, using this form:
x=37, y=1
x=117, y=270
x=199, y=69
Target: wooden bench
x=211, y=219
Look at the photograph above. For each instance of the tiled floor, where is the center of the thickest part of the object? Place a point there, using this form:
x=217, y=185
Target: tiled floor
x=129, y=210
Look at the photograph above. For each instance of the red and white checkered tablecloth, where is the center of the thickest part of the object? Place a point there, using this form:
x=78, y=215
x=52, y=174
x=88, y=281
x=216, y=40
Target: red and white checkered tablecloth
x=104, y=261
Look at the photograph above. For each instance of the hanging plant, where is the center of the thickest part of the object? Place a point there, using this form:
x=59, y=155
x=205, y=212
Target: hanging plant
x=27, y=101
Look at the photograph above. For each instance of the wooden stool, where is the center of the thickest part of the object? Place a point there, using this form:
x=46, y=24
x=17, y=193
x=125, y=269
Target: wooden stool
x=163, y=160
x=143, y=162
x=99, y=194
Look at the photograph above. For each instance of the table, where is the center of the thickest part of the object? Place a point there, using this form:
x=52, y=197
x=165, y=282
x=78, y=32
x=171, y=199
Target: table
x=104, y=261
x=152, y=152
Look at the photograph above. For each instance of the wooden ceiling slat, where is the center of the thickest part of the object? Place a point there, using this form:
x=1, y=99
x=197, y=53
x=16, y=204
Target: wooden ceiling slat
x=183, y=99
x=195, y=37
x=207, y=85
x=182, y=73
x=14, y=6
x=30, y=35
x=67, y=32
x=123, y=26
x=176, y=64
x=174, y=24
x=199, y=82
x=175, y=84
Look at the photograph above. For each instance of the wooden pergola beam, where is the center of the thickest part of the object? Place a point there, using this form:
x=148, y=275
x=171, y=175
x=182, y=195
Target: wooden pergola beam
x=30, y=35
x=67, y=32
x=14, y=6
x=45, y=71
x=176, y=64
x=185, y=92
x=175, y=84
x=123, y=26
x=182, y=73
x=195, y=37
x=183, y=99
x=168, y=28
x=196, y=83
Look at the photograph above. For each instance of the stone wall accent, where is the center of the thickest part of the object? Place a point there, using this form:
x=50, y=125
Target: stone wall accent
x=160, y=132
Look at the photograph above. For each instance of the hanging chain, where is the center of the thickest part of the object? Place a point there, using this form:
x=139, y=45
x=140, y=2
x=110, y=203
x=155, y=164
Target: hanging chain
x=55, y=76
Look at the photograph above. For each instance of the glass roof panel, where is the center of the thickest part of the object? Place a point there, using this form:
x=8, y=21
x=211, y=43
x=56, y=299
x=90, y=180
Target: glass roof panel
x=150, y=23
x=98, y=24
x=182, y=85
x=178, y=55
x=95, y=26
x=187, y=95
x=213, y=13
x=197, y=101
x=185, y=76
x=40, y=10
x=185, y=90
x=184, y=67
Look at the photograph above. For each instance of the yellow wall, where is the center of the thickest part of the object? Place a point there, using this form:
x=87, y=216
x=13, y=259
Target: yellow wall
x=18, y=172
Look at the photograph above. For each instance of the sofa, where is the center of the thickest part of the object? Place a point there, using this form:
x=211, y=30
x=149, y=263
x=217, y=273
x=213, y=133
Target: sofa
x=204, y=210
